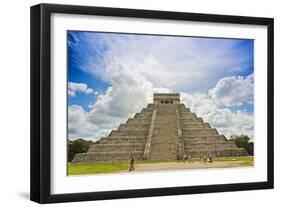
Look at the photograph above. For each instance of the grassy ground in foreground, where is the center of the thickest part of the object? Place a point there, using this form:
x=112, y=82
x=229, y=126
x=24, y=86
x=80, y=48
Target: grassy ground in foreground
x=103, y=168
x=97, y=168
x=246, y=161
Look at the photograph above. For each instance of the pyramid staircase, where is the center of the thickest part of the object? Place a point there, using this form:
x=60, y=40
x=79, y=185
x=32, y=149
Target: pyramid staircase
x=161, y=132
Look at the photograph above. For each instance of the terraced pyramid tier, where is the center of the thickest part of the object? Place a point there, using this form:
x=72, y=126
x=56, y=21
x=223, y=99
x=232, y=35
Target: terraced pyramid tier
x=164, y=130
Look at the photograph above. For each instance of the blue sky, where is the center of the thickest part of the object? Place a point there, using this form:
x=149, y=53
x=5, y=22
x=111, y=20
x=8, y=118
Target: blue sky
x=80, y=52
x=112, y=76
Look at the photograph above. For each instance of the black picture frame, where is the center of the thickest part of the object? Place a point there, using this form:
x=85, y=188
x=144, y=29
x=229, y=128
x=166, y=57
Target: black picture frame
x=41, y=99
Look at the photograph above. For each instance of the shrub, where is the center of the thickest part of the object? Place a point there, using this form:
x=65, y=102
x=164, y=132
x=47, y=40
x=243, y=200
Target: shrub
x=77, y=146
x=243, y=141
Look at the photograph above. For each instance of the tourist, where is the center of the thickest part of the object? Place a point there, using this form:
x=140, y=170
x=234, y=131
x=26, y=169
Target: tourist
x=178, y=158
x=132, y=165
x=210, y=159
x=205, y=159
x=189, y=158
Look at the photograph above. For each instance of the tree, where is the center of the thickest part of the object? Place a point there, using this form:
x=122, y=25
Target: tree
x=243, y=141
x=77, y=146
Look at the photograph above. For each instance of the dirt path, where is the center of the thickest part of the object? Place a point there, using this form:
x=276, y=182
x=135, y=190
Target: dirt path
x=186, y=165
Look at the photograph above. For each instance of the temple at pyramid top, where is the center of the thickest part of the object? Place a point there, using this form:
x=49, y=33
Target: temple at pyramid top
x=166, y=98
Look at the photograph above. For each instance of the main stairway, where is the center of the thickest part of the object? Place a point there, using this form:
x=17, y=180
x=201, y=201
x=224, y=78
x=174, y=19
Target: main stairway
x=165, y=137
x=164, y=130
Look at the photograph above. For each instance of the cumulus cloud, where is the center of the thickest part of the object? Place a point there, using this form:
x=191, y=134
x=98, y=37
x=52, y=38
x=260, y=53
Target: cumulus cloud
x=80, y=125
x=74, y=88
x=234, y=90
x=121, y=102
x=135, y=67
x=219, y=116
x=180, y=63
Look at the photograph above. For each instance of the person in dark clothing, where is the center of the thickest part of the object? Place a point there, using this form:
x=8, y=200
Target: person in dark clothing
x=210, y=159
x=132, y=165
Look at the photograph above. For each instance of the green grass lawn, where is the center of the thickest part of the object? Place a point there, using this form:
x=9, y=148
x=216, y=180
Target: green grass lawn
x=103, y=168
x=246, y=161
x=96, y=168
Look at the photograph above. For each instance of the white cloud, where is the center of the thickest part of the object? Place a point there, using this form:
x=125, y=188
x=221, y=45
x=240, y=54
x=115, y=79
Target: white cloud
x=74, y=88
x=227, y=122
x=137, y=67
x=184, y=64
x=213, y=106
x=122, y=101
x=234, y=90
x=80, y=125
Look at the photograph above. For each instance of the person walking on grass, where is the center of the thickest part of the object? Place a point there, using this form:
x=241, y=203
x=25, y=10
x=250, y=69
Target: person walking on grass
x=132, y=165
x=210, y=159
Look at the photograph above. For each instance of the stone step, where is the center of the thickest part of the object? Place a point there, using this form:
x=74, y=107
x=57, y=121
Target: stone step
x=169, y=119
x=167, y=106
x=170, y=112
x=184, y=110
x=229, y=152
x=124, y=139
x=187, y=114
x=199, y=132
x=164, y=121
x=161, y=141
x=165, y=118
x=164, y=133
x=93, y=157
x=157, y=128
x=133, y=126
x=150, y=106
x=125, y=132
x=209, y=146
x=161, y=123
x=147, y=110
x=123, y=142
x=142, y=116
x=116, y=147
x=191, y=120
x=138, y=121
x=195, y=125
x=203, y=138
x=204, y=142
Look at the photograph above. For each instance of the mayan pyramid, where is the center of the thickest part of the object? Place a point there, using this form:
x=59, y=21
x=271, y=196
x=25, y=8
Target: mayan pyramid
x=164, y=130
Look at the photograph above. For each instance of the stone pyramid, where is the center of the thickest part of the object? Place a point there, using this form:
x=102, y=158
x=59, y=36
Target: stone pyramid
x=164, y=130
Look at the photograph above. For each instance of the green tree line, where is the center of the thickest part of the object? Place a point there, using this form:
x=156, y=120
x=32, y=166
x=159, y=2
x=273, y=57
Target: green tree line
x=81, y=145
x=76, y=146
x=243, y=141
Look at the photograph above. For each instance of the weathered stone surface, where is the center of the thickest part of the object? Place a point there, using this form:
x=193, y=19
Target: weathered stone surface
x=164, y=138
x=164, y=130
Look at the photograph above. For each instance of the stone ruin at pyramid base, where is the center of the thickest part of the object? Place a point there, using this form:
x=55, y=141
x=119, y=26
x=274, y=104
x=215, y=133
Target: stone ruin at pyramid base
x=164, y=130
